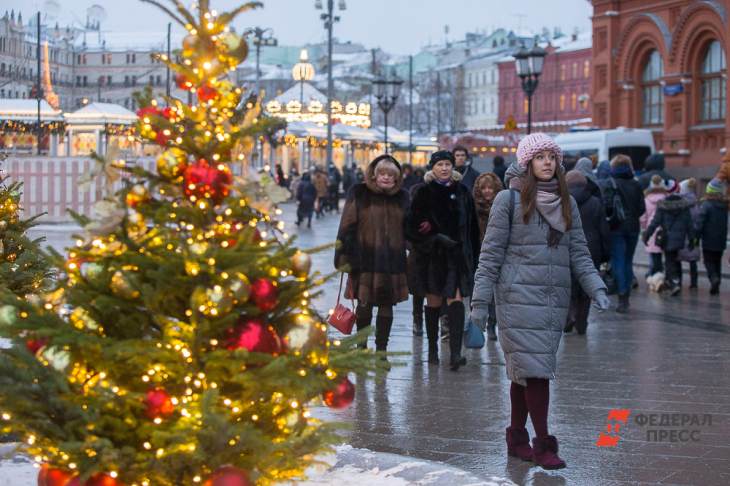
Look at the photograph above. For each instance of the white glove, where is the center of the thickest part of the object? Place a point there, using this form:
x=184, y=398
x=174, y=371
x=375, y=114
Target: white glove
x=601, y=301
x=479, y=316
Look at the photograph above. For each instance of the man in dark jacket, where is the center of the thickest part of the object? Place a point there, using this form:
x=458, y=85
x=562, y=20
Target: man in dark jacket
x=597, y=233
x=463, y=166
x=712, y=229
x=624, y=204
x=499, y=167
x=675, y=221
x=654, y=164
x=306, y=196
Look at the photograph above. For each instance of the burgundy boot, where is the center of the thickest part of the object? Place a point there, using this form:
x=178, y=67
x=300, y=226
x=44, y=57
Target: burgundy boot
x=518, y=443
x=545, y=452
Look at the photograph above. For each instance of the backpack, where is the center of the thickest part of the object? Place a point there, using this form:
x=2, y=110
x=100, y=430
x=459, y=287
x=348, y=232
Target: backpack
x=613, y=200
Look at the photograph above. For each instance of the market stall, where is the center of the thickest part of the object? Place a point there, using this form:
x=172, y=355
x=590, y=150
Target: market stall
x=99, y=126
x=19, y=126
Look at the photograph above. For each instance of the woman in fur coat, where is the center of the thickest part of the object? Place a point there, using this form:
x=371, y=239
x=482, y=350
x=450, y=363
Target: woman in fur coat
x=442, y=224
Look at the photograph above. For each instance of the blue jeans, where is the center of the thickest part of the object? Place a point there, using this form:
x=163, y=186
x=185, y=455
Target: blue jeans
x=623, y=246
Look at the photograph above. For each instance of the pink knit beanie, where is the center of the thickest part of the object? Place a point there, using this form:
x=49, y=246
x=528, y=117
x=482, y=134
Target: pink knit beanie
x=535, y=143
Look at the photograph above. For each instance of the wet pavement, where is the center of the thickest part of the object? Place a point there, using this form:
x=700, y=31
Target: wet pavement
x=667, y=362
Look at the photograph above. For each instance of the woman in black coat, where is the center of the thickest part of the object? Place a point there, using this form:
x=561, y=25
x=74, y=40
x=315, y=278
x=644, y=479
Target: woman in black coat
x=442, y=226
x=306, y=197
x=595, y=228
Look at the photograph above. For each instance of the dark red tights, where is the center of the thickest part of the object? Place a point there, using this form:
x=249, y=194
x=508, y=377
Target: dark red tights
x=533, y=399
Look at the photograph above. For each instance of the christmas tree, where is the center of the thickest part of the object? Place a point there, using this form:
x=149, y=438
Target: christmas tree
x=24, y=268
x=180, y=345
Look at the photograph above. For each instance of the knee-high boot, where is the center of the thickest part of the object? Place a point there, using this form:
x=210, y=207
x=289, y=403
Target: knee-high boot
x=363, y=314
x=456, y=332
x=383, y=325
x=432, y=331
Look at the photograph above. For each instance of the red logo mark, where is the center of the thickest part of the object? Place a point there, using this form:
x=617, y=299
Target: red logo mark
x=616, y=417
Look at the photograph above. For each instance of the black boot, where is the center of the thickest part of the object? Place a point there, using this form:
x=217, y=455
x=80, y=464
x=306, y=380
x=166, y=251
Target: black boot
x=383, y=324
x=432, y=331
x=456, y=332
x=364, y=315
x=715, y=286
x=623, y=303
x=491, y=331
x=417, y=317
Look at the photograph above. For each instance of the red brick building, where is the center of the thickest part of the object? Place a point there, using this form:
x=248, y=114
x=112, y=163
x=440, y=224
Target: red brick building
x=562, y=98
x=662, y=64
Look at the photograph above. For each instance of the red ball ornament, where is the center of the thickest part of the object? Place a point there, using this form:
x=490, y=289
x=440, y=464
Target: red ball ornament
x=255, y=337
x=207, y=93
x=168, y=113
x=50, y=476
x=161, y=138
x=263, y=294
x=158, y=403
x=102, y=479
x=148, y=111
x=229, y=476
x=341, y=396
x=34, y=345
x=204, y=181
x=183, y=83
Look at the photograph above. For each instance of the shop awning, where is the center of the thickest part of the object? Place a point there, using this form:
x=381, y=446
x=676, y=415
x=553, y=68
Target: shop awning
x=101, y=113
x=26, y=110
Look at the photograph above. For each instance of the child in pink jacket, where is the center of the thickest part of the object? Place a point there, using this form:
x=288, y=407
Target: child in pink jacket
x=656, y=192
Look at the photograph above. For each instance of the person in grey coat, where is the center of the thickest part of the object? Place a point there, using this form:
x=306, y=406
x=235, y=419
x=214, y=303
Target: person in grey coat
x=534, y=242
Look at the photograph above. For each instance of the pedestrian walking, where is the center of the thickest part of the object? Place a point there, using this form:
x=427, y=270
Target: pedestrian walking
x=691, y=252
x=306, y=197
x=655, y=193
x=597, y=234
x=654, y=165
x=585, y=167
x=371, y=246
x=281, y=179
x=410, y=178
x=674, y=223
x=486, y=188
x=463, y=165
x=442, y=222
x=498, y=167
x=321, y=183
x=535, y=241
x=624, y=203
x=723, y=175
x=348, y=179
x=712, y=231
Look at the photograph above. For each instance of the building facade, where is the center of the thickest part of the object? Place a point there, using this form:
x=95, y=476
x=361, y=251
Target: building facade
x=562, y=98
x=662, y=65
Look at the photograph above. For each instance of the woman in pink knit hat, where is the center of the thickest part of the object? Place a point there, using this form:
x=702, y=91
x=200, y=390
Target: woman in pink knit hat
x=534, y=242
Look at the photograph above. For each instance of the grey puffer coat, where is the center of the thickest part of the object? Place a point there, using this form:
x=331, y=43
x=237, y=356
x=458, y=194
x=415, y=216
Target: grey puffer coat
x=531, y=284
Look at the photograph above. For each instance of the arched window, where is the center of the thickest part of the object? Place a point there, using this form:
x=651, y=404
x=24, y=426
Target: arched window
x=653, y=97
x=713, y=82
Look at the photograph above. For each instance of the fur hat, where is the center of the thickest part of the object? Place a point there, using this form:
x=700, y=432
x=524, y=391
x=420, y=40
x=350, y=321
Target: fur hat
x=440, y=155
x=688, y=186
x=535, y=143
x=575, y=178
x=716, y=186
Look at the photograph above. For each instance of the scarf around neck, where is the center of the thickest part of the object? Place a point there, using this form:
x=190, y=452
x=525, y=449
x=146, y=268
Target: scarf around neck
x=549, y=206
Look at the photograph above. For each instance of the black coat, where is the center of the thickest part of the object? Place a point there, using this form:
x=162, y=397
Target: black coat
x=712, y=223
x=595, y=226
x=633, y=200
x=450, y=211
x=674, y=218
x=306, y=195
x=654, y=165
x=468, y=176
x=500, y=170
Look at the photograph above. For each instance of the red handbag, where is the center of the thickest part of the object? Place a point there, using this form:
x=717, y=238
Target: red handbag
x=342, y=318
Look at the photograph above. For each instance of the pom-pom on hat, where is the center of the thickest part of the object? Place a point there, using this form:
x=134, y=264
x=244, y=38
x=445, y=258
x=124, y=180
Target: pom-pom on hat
x=440, y=155
x=535, y=143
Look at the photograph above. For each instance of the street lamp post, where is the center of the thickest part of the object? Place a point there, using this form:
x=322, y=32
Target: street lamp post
x=301, y=72
x=261, y=38
x=387, y=92
x=529, y=68
x=329, y=20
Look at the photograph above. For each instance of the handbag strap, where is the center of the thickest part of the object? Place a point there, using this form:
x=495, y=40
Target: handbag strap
x=339, y=292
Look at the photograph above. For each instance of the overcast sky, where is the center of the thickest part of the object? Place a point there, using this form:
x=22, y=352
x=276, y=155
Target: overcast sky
x=398, y=26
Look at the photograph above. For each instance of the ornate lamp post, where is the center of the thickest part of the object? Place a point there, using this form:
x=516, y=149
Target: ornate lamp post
x=302, y=71
x=529, y=68
x=387, y=92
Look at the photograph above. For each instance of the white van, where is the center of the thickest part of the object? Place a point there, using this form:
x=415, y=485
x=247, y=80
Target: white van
x=600, y=145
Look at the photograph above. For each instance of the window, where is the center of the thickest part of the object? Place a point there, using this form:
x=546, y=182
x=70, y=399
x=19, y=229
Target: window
x=126, y=80
x=586, y=69
x=562, y=72
x=575, y=70
x=713, y=82
x=524, y=106
x=86, y=81
x=109, y=80
x=159, y=80
x=573, y=101
x=562, y=102
x=651, y=90
x=78, y=80
x=2, y=69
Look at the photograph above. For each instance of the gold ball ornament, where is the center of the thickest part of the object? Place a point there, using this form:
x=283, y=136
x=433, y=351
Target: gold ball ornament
x=214, y=302
x=137, y=194
x=301, y=263
x=136, y=225
x=189, y=43
x=82, y=320
x=58, y=358
x=3, y=225
x=171, y=163
x=306, y=336
x=92, y=271
x=240, y=287
x=121, y=285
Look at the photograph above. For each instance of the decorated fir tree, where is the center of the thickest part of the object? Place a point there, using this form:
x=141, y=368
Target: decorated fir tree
x=180, y=345
x=24, y=268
